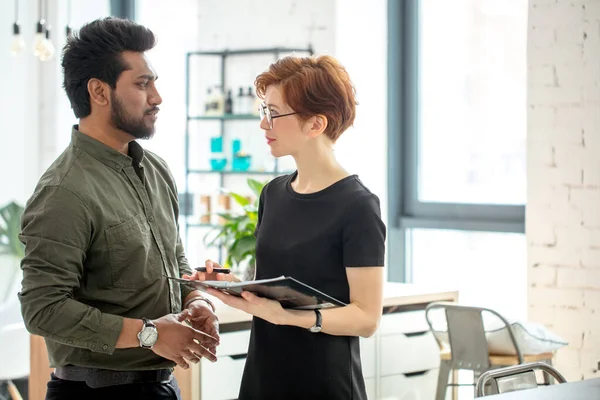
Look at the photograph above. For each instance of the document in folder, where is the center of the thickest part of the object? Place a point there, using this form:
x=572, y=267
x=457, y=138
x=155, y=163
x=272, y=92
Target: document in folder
x=289, y=292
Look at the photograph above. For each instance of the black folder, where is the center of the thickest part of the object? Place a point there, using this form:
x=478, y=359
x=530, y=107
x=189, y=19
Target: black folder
x=289, y=292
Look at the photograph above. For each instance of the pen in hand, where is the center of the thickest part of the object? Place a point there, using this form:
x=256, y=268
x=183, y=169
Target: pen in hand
x=215, y=270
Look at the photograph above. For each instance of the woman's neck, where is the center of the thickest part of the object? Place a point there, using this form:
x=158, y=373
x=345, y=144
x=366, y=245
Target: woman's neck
x=317, y=169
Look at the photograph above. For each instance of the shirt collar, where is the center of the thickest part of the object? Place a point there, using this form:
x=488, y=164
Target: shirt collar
x=106, y=154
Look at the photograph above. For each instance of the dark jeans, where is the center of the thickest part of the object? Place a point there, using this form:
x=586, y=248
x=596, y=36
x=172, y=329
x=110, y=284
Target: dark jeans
x=59, y=389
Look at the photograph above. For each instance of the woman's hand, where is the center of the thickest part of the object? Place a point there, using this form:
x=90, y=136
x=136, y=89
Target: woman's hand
x=209, y=275
x=269, y=310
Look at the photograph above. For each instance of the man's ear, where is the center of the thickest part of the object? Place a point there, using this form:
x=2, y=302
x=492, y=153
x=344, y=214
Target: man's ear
x=318, y=125
x=99, y=92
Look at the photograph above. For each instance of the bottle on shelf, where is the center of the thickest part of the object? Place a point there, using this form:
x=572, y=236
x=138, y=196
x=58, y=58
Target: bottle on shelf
x=228, y=103
x=208, y=102
x=239, y=106
x=218, y=101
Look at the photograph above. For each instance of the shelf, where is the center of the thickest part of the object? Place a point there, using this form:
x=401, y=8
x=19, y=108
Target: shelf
x=226, y=117
x=197, y=225
x=241, y=52
x=229, y=172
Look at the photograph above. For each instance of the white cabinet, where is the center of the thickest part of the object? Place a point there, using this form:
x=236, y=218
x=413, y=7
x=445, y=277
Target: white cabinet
x=221, y=380
x=416, y=386
x=399, y=362
x=370, y=386
x=368, y=358
x=402, y=353
x=408, y=358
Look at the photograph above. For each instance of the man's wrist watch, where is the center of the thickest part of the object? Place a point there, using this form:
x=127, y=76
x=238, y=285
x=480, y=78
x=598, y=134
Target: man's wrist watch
x=148, y=335
x=316, y=328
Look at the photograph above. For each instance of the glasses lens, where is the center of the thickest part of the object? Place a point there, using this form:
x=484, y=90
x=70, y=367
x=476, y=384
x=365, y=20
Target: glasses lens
x=269, y=119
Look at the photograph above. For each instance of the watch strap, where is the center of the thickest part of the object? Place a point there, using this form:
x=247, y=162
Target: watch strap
x=316, y=328
x=148, y=322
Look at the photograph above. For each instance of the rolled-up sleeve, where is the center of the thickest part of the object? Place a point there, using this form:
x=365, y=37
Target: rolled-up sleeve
x=57, y=229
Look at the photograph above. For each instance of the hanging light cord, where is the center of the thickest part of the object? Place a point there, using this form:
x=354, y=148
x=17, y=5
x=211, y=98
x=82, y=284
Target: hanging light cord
x=46, y=20
x=16, y=11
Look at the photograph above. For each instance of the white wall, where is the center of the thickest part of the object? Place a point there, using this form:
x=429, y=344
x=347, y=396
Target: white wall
x=563, y=198
x=361, y=46
x=36, y=115
x=19, y=79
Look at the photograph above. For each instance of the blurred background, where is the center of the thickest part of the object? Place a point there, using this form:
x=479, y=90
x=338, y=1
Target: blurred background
x=469, y=111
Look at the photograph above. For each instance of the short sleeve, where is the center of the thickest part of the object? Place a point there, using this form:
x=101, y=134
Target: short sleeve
x=363, y=236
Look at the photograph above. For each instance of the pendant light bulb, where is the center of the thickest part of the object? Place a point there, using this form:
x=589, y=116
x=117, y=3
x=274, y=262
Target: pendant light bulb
x=39, y=41
x=18, y=44
x=49, y=50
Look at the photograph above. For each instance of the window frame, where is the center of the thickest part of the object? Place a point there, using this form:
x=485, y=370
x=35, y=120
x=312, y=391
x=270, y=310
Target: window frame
x=405, y=210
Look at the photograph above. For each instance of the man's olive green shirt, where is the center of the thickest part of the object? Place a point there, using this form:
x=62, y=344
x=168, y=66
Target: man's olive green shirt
x=100, y=233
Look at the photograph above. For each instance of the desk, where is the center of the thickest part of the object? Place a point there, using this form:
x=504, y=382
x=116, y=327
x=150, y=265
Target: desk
x=579, y=390
x=403, y=307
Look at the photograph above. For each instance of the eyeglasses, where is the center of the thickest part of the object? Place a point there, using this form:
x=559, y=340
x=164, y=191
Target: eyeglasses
x=266, y=112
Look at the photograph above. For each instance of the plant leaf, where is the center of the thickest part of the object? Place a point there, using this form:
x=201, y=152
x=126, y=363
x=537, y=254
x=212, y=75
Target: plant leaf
x=242, y=247
x=229, y=217
x=241, y=200
x=10, y=224
x=256, y=186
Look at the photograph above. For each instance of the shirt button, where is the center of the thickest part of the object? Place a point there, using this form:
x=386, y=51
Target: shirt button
x=105, y=347
x=69, y=341
x=151, y=219
x=118, y=167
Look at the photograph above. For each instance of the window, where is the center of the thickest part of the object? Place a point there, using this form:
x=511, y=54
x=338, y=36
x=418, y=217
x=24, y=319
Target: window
x=487, y=268
x=472, y=112
x=457, y=143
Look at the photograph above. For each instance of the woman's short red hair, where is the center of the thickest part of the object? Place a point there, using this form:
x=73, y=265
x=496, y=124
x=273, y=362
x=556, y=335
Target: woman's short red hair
x=311, y=86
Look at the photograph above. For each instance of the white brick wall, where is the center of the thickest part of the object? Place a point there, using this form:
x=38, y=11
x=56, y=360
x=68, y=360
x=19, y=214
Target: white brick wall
x=563, y=204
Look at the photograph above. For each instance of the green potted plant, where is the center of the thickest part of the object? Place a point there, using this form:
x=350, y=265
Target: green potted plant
x=11, y=248
x=236, y=234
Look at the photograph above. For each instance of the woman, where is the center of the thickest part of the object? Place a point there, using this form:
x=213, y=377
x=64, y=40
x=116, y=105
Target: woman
x=320, y=225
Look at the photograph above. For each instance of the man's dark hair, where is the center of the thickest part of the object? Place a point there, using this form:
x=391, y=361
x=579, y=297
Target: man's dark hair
x=95, y=52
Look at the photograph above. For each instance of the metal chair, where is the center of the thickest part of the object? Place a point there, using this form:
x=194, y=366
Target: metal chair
x=468, y=344
x=513, y=378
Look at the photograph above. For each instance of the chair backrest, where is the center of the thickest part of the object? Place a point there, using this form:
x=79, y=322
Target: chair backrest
x=516, y=377
x=466, y=334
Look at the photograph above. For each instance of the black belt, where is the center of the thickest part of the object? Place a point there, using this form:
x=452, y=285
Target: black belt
x=97, y=378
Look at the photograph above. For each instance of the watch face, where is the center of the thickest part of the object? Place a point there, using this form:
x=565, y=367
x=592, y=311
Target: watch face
x=149, y=336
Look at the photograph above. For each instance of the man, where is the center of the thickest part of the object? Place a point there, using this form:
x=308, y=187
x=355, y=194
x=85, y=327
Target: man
x=101, y=235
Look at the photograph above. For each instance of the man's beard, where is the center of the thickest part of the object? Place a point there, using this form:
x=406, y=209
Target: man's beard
x=120, y=119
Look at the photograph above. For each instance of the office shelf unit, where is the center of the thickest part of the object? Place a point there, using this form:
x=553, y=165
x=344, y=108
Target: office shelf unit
x=190, y=171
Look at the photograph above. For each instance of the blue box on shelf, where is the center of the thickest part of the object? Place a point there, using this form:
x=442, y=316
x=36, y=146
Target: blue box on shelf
x=236, y=146
x=216, y=144
x=218, y=164
x=241, y=163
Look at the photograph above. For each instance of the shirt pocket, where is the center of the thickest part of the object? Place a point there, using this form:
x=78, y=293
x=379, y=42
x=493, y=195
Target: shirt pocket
x=134, y=263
